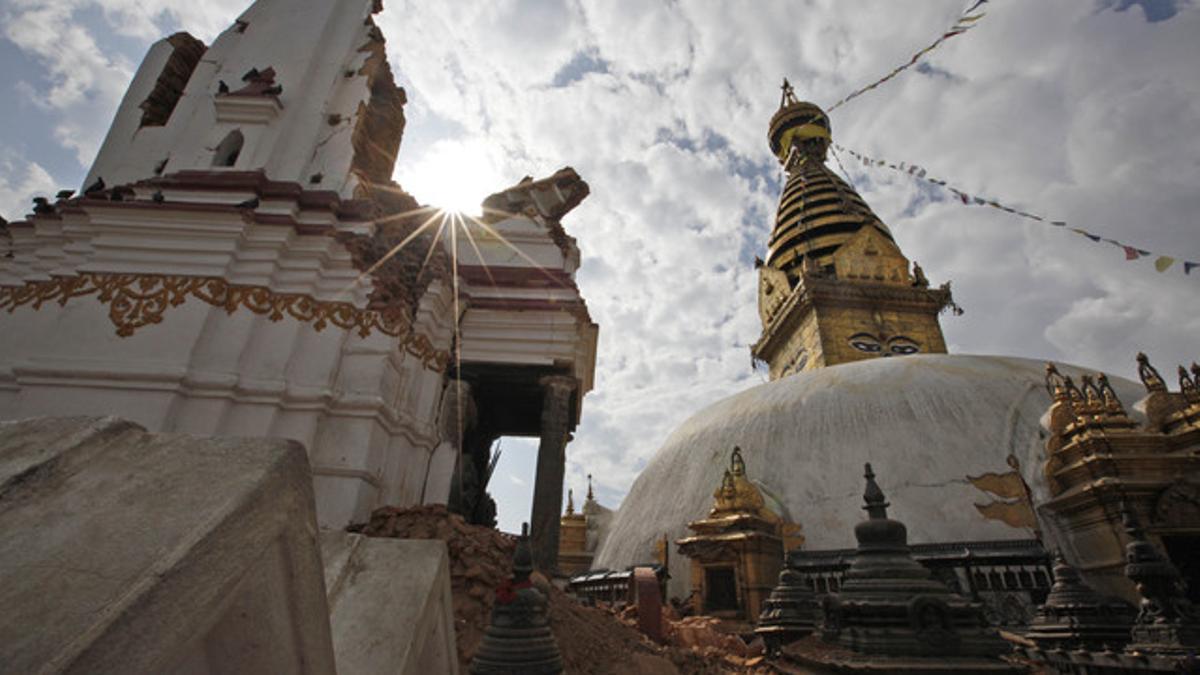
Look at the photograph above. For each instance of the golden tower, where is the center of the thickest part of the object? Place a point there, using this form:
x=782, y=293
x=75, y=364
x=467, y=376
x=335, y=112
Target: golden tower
x=835, y=287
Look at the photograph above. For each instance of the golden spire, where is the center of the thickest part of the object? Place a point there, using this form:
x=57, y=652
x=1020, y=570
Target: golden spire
x=818, y=211
x=570, y=502
x=737, y=494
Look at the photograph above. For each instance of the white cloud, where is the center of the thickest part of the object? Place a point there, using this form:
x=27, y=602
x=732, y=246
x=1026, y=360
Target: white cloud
x=20, y=182
x=1089, y=115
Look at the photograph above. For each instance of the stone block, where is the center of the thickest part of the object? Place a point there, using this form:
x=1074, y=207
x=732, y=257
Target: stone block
x=131, y=552
x=390, y=605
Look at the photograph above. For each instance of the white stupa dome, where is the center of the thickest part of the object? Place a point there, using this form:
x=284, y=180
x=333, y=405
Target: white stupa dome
x=926, y=423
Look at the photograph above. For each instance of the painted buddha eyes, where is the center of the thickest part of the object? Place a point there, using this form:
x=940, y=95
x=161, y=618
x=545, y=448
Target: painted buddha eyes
x=898, y=345
x=865, y=343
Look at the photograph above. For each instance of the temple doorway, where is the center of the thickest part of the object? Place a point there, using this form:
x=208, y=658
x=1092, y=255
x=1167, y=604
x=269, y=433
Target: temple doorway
x=512, y=481
x=720, y=589
x=1181, y=549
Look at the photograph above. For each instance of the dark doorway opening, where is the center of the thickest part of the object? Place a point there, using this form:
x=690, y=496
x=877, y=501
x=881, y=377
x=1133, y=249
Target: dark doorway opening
x=720, y=589
x=1181, y=549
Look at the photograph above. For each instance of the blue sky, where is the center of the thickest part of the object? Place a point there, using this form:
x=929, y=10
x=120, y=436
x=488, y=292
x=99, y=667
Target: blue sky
x=1086, y=111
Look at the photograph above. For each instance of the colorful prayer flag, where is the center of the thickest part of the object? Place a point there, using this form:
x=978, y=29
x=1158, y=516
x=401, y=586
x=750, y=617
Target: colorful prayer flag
x=965, y=22
x=1163, y=262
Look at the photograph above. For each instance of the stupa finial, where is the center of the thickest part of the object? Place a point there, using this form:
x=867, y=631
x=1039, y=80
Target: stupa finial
x=737, y=465
x=570, y=502
x=590, y=496
x=877, y=503
x=522, y=557
x=1149, y=374
x=789, y=94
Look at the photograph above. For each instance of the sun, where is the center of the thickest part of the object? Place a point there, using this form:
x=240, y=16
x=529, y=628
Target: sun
x=452, y=175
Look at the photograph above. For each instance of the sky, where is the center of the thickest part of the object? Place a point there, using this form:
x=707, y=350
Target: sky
x=1086, y=111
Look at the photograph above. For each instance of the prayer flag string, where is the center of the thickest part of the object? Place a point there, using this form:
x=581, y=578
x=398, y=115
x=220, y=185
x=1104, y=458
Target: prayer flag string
x=966, y=21
x=1162, y=263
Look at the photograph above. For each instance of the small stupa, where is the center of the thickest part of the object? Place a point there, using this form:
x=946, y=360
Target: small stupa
x=1167, y=623
x=519, y=639
x=789, y=614
x=1075, y=616
x=891, y=608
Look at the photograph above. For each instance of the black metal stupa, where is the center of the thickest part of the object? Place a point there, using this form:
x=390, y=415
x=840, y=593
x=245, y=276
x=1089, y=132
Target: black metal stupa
x=890, y=605
x=1167, y=623
x=1075, y=616
x=519, y=639
x=789, y=614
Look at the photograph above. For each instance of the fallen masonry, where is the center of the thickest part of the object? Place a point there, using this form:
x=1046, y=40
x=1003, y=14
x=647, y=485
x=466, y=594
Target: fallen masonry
x=592, y=641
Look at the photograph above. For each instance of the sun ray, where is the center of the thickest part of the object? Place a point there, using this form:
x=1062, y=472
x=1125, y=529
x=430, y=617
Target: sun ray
x=437, y=240
x=457, y=343
x=479, y=254
x=394, y=250
x=500, y=237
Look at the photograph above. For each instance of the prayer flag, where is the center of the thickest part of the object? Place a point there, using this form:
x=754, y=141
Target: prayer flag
x=1060, y=223
x=1131, y=253
x=1163, y=263
x=1188, y=266
x=1085, y=233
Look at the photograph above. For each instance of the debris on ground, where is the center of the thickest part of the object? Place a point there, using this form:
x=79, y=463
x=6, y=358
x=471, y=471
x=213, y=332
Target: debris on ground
x=592, y=640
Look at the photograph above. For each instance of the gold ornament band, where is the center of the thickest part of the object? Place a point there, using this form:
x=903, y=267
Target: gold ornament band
x=138, y=300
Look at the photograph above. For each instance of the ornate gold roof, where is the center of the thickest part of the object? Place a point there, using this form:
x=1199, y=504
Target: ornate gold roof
x=737, y=495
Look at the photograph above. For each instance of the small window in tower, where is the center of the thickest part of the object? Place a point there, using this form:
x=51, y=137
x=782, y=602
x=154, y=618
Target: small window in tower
x=229, y=149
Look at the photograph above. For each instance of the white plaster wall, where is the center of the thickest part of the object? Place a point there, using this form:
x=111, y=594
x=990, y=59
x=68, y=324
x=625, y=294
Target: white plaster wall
x=311, y=44
x=364, y=407
x=926, y=422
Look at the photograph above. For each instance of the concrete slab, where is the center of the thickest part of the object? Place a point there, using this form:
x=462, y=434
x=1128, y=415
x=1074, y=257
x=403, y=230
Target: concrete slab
x=390, y=605
x=130, y=552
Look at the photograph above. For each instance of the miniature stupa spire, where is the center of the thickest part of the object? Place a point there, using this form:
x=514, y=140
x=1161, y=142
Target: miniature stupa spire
x=519, y=639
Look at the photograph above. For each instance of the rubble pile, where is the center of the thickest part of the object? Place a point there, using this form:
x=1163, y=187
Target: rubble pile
x=480, y=560
x=697, y=645
x=592, y=641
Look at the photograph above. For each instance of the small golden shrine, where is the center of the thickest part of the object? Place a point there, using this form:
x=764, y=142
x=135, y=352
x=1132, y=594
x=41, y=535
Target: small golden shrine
x=1101, y=461
x=737, y=551
x=573, y=556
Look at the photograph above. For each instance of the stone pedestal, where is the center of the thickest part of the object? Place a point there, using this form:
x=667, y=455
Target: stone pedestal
x=130, y=552
x=390, y=608
x=551, y=464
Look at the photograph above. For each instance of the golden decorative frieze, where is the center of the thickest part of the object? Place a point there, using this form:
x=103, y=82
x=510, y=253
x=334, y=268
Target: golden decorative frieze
x=138, y=300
